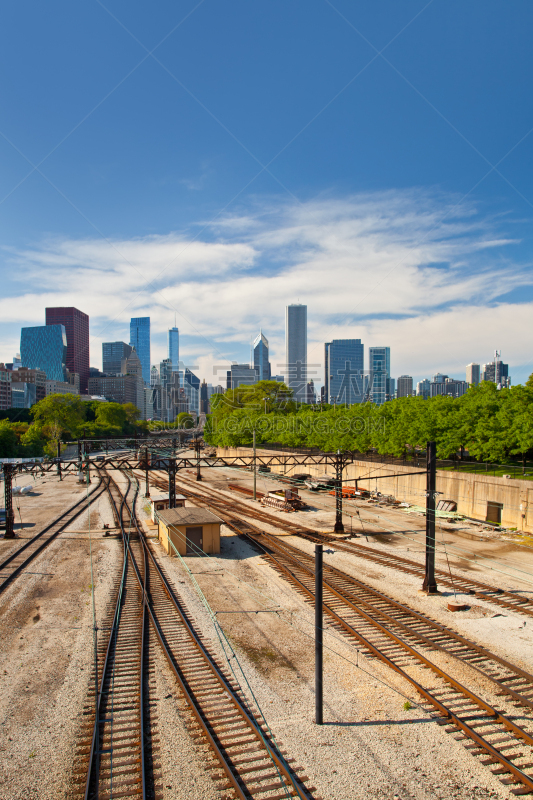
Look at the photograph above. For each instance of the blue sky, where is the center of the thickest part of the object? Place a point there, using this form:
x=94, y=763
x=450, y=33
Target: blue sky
x=218, y=160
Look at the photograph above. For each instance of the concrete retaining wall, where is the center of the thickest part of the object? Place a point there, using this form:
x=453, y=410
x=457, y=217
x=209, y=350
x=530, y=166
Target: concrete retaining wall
x=469, y=490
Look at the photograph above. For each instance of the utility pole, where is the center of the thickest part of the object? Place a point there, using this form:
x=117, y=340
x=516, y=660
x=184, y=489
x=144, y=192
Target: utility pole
x=59, y=459
x=430, y=586
x=319, y=643
x=147, y=492
x=339, y=464
x=255, y=475
x=172, y=483
x=88, y=466
x=197, y=448
x=9, y=469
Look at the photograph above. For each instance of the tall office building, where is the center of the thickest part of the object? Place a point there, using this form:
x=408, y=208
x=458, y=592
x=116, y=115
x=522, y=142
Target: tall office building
x=261, y=362
x=422, y=388
x=344, y=371
x=405, y=386
x=378, y=374
x=174, y=347
x=140, y=340
x=497, y=372
x=76, y=325
x=296, y=350
x=241, y=375
x=113, y=353
x=44, y=347
x=473, y=374
x=154, y=376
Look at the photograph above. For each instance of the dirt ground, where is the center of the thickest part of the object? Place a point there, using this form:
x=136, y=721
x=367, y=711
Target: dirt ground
x=371, y=745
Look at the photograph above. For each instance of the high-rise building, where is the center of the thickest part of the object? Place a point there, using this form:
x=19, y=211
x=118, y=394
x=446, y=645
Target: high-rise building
x=296, y=350
x=154, y=376
x=405, y=386
x=261, y=362
x=76, y=325
x=204, y=398
x=497, y=372
x=241, y=375
x=378, y=374
x=344, y=371
x=447, y=386
x=472, y=374
x=44, y=347
x=391, y=389
x=140, y=340
x=174, y=347
x=5, y=387
x=113, y=353
x=422, y=388
x=190, y=383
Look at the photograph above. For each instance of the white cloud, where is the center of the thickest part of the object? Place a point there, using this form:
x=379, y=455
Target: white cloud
x=401, y=268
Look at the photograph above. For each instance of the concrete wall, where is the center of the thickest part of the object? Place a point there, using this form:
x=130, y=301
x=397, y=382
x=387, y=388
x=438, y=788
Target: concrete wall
x=469, y=490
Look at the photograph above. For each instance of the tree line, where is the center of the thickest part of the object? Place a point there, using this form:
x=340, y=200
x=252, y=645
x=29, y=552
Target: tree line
x=64, y=417
x=486, y=424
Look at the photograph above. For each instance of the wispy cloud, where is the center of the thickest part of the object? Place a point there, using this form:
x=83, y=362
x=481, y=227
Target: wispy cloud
x=409, y=269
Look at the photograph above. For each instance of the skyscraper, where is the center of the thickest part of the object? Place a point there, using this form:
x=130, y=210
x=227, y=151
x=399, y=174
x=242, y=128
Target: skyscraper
x=472, y=374
x=343, y=371
x=174, y=347
x=44, y=347
x=113, y=354
x=379, y=373
x=261, y=362
x=140, y=340
x=405, y=386
x=296, y=350
x=76, y=325
x=422, y=388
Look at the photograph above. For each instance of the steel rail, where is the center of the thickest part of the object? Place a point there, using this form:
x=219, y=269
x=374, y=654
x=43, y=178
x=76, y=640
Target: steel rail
x=241, y=780
x=494, y=716
x=121, y=703
x=63, y=521
x=485, y=591
x=476, y=651
x=473, y=650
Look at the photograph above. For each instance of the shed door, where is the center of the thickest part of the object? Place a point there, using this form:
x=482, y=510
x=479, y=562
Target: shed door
x=195, y=540
x=494, y=512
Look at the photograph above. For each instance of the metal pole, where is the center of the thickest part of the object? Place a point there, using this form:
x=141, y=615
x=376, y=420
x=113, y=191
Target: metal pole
x=88, y=465
x=319, y=649
x=430, y=585
x=147, y=492
x=339, y=527
x=172, y=483
x=198, y=473
x=8, y=495
x=255, y=474
x=59, y=459
x=174, y=446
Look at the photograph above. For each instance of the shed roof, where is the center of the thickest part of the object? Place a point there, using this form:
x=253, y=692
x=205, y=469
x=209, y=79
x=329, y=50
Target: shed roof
x=188, y=516
x=158, y=497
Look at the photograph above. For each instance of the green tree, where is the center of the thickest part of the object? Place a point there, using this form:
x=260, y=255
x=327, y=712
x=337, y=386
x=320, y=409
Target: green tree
x=184, y=420
x=8, y=440
x=32, y=442
x=132, y=412
x=113, y=414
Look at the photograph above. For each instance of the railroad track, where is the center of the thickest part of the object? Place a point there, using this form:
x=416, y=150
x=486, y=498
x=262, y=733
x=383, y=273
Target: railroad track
x=458, y=583
x=400, y=639
x=22, y=556
x=245, y=760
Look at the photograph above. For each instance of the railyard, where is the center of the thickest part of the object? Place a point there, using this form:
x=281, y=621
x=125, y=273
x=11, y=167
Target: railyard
x=419, y=702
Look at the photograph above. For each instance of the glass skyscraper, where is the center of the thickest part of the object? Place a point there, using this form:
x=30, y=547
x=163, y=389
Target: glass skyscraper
x=344, y=371
x=140, y=340
x=379, y=374
x=45, y=347
x=261, y=362
x=174, y=347
x=296, y=350
x=112, y=355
